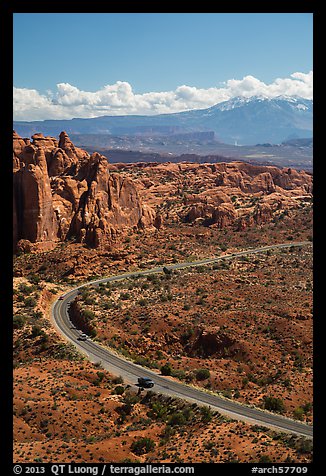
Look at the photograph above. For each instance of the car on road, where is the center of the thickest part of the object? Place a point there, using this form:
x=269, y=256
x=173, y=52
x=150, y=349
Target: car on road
x=83, y=337
x=145, y=382
x=60, y=298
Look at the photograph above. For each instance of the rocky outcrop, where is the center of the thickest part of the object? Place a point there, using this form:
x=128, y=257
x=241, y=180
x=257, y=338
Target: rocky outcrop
x=213, y=342
x=242, y=194
x=60, y=191
x=220, y=216
x=224, y=215
x=262, y=213
x=34, y=217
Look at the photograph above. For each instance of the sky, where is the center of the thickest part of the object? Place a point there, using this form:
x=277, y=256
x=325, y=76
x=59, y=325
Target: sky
x=91, y=64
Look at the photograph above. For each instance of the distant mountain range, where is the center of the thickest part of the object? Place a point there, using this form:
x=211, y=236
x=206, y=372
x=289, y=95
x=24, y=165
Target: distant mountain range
x=240, y=121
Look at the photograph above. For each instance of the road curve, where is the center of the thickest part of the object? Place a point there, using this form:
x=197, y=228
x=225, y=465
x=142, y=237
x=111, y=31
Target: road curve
x=130, y=371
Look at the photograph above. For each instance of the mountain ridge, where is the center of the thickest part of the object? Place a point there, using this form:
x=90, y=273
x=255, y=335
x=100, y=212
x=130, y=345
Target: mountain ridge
x=240, y=120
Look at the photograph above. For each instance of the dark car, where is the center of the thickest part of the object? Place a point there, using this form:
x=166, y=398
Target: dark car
x=145, y=382
x=60, y=298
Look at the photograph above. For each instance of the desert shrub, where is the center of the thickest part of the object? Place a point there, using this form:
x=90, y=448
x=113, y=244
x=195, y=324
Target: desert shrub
x=144, y=361
x=177, y=418
x=307, y=407
x=25, y=289
x=158, y=411
x=124, y=296
x=88, y=315
x=298, y=413
x=187, y=334
x=202, y=374
x=206, y=414
x=118, y=390
x=125, y=409
x=167, y=271
x=273, y=404
x=166, y=369
x=30, y=301
x=34, y=278
x=264, y=459
x=37, y=314
x=36, y=331
x=19, y=321
x=65, y=351
x=180, y=374
x=167, y=433
x=142, y=446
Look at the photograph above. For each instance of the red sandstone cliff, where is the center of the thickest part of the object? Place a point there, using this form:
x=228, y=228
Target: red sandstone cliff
x=61, y=191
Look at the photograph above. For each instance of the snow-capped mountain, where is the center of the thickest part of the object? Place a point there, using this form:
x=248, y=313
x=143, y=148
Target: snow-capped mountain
x=241, y=101
x=240, y=120
x=260, y=119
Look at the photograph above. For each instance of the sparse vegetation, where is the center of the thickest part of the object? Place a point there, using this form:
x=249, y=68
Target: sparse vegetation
x=242, y=321
x=142, y=446
x=274, y=404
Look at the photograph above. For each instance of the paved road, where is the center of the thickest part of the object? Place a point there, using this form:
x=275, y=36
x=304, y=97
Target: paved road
x=130, y=371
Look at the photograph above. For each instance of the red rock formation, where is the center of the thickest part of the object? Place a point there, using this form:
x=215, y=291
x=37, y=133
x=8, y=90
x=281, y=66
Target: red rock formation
x=224, y=215
x=61, y=191
x=262, y=213
x=34, y=217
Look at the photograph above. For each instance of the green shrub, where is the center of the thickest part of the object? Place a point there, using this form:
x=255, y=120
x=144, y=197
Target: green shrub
x=142, y=446
x=177, y=418
x=166, y=369
x=298, y=413
x=167, y=271
x=36, y=331
x=187, y=334
x=202, y=374
x=158, y=411
x=30, y=301
x=25, y=289
x=124, y=296
x=88, y=315
x=264, y=459
x=119, y=389
x=19, y=321
x=273, y=404
x=206, y=414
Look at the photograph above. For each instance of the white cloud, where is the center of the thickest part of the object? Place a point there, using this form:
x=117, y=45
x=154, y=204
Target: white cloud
x=115, y=99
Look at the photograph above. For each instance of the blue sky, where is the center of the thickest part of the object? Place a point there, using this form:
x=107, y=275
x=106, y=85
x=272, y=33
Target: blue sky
x=155, y=52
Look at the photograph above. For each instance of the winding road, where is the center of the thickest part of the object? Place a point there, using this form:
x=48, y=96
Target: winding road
x=118, y=365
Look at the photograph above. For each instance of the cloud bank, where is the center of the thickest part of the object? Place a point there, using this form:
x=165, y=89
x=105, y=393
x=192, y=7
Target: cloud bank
x=119, y=99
